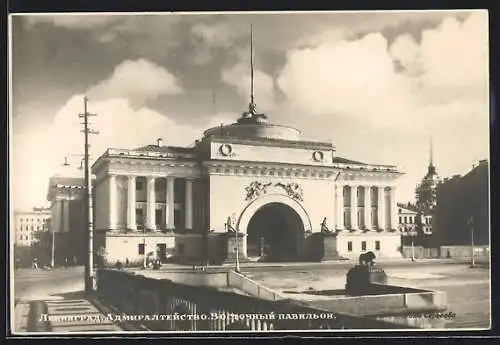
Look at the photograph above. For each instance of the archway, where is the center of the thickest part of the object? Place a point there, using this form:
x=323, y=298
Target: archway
x=275, y=232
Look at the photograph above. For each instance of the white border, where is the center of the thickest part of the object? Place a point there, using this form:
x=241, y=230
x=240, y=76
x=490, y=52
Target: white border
x=159, y=13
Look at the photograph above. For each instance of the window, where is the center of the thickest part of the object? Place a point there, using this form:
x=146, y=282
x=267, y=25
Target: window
x=377, y=245
x=406, y=219
x=141, y=248
x=363, y=245
x=400, y=220
x=349, y=246
x=158, y=217
x=138, y=185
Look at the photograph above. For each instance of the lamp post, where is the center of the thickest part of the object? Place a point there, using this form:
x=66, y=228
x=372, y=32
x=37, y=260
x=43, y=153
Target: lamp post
x=144, y=263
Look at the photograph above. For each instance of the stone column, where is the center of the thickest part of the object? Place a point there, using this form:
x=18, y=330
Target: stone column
x=368, y=208
x=112, y=202
x=354, y=207
x=131, y=221
x=189, y=204
x=394, y=209
x=66, y=214
x=170, y=203
x=382, y=219
x=339, y=207
x=151, y=204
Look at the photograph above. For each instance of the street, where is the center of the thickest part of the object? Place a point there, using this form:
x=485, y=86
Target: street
x=467, y=289
x=30, y=284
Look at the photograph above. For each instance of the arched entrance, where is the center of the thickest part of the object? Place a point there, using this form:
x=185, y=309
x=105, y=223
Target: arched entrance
x=275, y=232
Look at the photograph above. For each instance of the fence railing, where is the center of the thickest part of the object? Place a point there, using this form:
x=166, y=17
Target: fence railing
x=163, y=305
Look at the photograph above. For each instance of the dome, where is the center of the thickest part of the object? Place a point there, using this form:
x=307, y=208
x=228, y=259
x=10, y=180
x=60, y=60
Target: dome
x=254, y=125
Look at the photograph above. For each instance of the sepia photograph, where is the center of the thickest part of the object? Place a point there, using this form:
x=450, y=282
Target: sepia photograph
x=267, y=172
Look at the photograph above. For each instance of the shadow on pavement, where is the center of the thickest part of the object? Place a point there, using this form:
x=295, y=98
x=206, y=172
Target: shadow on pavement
x=35, y=321
x=70, y=295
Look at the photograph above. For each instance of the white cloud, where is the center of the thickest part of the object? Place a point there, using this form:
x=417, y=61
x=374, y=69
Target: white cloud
x=138, y=81
x=349, y=78
x=239, y=77
x=354, y=86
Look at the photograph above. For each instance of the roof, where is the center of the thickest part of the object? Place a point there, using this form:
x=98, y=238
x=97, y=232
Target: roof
x=346, y=161
x=66, y=181
x=408, y=208
x=165, y=149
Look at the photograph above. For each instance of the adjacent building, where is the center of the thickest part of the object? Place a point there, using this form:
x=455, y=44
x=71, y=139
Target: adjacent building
x=243, y=187
x=415, y=226
x=29, y=235
x=462, y=213
x=28, y=225
x=66, y=197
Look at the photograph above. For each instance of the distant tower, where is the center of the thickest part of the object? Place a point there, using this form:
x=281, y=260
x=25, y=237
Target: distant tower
x=426, y=191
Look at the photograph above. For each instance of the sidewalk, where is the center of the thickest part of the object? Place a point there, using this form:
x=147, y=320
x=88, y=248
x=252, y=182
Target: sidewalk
x=77, y=315
x=68, y=314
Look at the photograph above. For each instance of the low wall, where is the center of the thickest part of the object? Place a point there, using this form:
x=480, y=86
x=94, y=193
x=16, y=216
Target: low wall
x=195, y=278
x=386, y=300
x=140, y=295
x=443, y=252
x=252, y=287
x=465, y=252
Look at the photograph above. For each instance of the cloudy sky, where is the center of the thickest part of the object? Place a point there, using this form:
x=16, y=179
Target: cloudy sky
x=375, y=84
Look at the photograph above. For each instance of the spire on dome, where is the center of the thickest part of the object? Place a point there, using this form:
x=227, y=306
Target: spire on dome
x=251, y=115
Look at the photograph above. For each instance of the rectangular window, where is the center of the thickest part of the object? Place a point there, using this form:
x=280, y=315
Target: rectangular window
x=400, y=220
x=377, y=245
x=158, y=217
x=363, y=245
x=349, y=246
x=139, y=185
x=141, y=248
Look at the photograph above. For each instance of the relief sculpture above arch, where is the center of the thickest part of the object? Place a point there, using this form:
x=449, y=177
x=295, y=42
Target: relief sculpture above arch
x=256, y=189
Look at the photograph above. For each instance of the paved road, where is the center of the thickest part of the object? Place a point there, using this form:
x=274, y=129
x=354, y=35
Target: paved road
x=32, y=284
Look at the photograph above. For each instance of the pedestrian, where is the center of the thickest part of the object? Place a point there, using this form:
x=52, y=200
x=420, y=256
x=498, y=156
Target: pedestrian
x=126, y=262
x=35, y=263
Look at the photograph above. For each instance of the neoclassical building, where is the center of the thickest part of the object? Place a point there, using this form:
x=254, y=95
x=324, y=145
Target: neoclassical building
x=251, y=186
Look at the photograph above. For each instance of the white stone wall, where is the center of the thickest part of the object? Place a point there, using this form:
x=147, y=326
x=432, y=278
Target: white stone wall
x=287, y=155
x=227, y=196
x=390, y=244
x=123, y=246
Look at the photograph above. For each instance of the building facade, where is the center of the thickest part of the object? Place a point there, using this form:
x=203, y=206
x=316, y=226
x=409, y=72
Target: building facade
x=28, y=224
x=251, y=187
x=415, y=226
x=66, y=197
x=463, y=211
